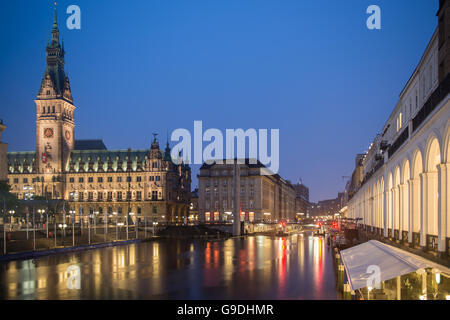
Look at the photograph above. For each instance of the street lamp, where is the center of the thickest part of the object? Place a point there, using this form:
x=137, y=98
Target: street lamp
x=41, y=212
x=72, y=213
x=95, y=224
x=89, y=227
x=117, y=234
x=154, y=224
x=105, y=230
x=127, y=221
x=11, y=213
x=135, y=223
x=74, y=196
x=119, y=224
x=63, y=227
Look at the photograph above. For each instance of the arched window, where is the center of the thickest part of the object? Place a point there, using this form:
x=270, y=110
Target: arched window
x=53, y=109
x=43, y=109
x=48, y=109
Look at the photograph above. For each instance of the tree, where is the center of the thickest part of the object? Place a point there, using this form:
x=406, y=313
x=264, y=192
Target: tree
x=7, y=197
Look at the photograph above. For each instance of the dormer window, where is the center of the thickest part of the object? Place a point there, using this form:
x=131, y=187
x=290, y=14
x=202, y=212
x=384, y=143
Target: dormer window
x=48, y=92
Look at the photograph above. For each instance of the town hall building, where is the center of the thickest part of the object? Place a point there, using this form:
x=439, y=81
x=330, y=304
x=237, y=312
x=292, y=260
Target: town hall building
x=85, y=173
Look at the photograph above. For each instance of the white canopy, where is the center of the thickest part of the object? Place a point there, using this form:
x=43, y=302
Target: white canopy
x=361, y=261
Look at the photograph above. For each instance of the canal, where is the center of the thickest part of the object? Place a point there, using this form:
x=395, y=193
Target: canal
x=254, y=267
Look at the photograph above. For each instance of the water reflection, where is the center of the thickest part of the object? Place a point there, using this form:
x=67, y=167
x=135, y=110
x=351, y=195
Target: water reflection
x=259, y=267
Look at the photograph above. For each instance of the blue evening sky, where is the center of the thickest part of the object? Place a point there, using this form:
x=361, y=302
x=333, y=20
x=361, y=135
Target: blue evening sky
x=308, y=67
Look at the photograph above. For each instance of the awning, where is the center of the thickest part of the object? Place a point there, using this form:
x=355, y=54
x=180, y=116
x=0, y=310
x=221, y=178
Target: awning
x=363, y=260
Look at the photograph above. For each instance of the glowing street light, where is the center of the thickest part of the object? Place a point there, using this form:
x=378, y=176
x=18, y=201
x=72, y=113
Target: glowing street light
x=72, y=213
x=117, y=234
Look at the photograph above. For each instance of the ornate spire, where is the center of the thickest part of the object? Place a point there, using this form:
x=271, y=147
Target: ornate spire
x=167, y=156
x=54, y=83
x=55, y=21
x=55, y=30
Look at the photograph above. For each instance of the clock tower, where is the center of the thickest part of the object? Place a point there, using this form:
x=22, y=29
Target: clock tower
x=54, y=118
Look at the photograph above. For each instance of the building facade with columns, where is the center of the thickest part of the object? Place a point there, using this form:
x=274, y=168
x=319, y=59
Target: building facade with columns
x=262, y=197
x=92, y=178
x=404, y=191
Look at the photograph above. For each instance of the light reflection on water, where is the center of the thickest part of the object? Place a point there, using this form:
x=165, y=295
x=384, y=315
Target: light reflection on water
x=256, y=267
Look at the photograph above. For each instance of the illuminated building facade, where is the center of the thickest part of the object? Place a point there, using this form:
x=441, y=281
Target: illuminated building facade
x=404, y=191
x=263, y=197
x=92, y=178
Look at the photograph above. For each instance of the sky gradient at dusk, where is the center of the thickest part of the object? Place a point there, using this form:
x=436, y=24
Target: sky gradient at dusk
x=309, y=68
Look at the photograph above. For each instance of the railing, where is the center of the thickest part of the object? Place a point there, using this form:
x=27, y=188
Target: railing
x=398, y=142
x=436, y=97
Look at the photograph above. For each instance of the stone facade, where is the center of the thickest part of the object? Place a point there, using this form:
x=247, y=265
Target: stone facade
x=92, y=178
x=263, y=197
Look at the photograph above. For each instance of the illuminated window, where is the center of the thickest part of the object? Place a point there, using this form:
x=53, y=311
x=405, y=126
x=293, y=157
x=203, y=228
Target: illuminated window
x=399, y=121
x=216, y=216
x=207, y=216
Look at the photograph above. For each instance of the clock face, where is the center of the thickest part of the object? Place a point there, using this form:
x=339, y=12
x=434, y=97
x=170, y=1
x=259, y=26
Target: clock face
x=68, y=135
x=48, y=132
